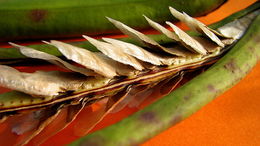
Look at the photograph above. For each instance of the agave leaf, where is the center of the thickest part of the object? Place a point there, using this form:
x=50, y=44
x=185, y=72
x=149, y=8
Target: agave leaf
x=196, y=26
x=86, y=58
x=115, y=53
x=32, y=53
x=143, y=39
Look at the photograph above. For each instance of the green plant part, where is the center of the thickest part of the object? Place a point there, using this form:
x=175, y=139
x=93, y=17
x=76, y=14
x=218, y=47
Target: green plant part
x=13, y=53
x=41, y=19
x=187, y=99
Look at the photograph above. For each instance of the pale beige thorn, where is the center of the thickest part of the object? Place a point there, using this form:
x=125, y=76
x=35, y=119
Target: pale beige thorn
x=161, y=29
x=46, y=42
x=135, y=51
x=208, y=44
x=47, y=84
x=40, y=83
x=132, y=32
x=235, y=29
x=32, y=53
x=200, y=27
x=115, y=53
x=188, y=41
x=176, y=14
x=121, y=69
x=25, y=82
x=186, y=18
x=196, y=25
x=143, y=39
x=86, y=58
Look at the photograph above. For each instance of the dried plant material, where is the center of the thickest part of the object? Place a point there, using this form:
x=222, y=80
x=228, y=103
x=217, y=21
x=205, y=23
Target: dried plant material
x=87, y=120
x=143, y=39
x=237, y=28
x=40, y=83
x=121, y=69
x=202, y=28
x=136, y=92
x=24, y=126
x=136, y=51
x=115, y=53
x=155, y=92
x=43, y=119
x=196, y=26
x=3, y=118
x=187, y=40
x=162, y=29
x=143, y=54
x=65, y=116
x=13, y=79
x=207, y=44
x=32, y=53
x=86, y=58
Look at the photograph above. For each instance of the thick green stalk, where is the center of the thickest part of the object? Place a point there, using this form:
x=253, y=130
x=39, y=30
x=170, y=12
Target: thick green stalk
x=186, y=100
x=13, y=53
x=42, y=19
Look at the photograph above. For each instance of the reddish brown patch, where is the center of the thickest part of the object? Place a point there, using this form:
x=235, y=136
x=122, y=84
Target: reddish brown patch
x=132, y=142
x=38, y=15
x=257, y=39
x=253, y=51
x=187, y=96
x=148, y=117
x=211, y=88
x=176, y=119
x=232, y=66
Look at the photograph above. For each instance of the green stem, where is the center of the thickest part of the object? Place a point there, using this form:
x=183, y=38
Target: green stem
x=13, y=53
x=44, y=19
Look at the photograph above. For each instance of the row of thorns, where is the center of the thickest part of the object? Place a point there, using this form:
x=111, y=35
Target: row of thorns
x=116, y=58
